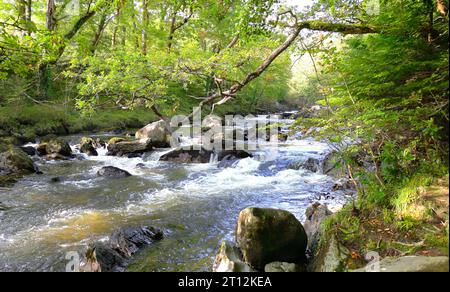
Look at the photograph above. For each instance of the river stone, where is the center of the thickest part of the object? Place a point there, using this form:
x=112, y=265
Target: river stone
x=15, y=160
x=29, y=150
x=228, y=161
x=277, y=267
x=229, y=259
x=113, y=172
x=333, y=165
x=87, y=146
x=412, y=264
x=130, y=147
x=158, y=132
x=113, y=255
x=237, y=154
x=55, y=146
x=181, y=155
x=268, y=235
x=315, y=214
x=343, y=184
x=310, y=164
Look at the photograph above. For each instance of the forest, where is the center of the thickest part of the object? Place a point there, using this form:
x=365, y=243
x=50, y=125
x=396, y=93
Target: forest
x=360, y=88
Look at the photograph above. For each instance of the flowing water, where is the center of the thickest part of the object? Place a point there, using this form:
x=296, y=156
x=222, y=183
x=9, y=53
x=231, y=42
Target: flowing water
x=196, y=205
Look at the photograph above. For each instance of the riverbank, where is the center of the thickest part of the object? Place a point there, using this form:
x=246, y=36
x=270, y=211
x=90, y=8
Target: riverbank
x=21, y=124
x=412, y=221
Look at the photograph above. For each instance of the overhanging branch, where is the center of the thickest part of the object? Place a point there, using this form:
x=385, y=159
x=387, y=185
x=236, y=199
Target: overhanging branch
x=312, y=25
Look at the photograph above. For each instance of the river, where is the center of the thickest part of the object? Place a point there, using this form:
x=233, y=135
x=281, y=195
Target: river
x=195, y=204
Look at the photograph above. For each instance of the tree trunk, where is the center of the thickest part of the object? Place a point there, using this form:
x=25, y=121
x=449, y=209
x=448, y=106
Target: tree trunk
x=29, y=12
x=98, y=33
x=51, y=10
x=116, y=26
x=145, y=18
x=171, y=33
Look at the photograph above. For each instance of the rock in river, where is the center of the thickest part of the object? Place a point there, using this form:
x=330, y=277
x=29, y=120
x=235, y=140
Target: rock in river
x=87, y=146
x=158, y=132
x=310, y=164
x=228, y=158
x=229, y=259
x=130, y=147
x=55, y=147
x=112, y=256
x=113, y=172
x=14, y=160
x=268, y=235
x=29, y=150
x=181, y=155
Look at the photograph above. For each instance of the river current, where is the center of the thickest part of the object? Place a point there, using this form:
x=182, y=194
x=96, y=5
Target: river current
x=196, y=205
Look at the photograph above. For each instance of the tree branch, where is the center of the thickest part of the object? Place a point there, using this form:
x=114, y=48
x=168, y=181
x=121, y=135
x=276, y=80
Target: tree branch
x=312, y=25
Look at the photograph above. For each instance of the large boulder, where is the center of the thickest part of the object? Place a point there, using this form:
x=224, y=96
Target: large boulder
x=158, y=132
x=113, y=172
x=130, y=147
x=112, y=255
x=409, y=264
x=268, y=235
x=87, y=146
x=16, y=161
x=315, y=214
x=229, y=259
x=181, y=155
x=55, y=147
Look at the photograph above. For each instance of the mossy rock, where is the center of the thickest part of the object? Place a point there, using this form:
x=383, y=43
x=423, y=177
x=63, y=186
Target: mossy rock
x=58, y=146
x=86, y=140
x=269, y=235
x=116, y=140
x=16, y=161
x=331, y=256
x=87, y=146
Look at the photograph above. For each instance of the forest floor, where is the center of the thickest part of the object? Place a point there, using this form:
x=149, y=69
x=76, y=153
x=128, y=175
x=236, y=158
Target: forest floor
x=422, y=229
